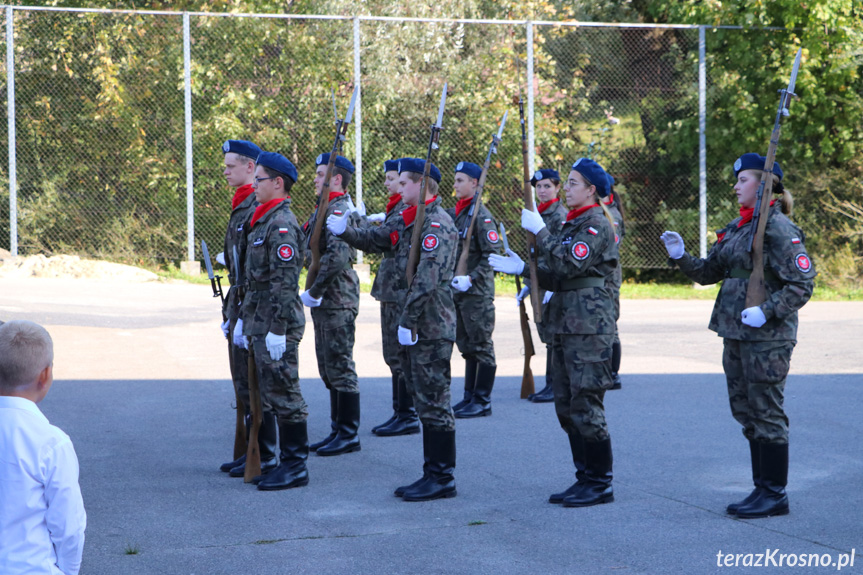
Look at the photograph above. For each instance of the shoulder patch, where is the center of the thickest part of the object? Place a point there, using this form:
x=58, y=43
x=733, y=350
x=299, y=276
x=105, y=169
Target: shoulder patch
x=394, y=237
x=580, y=250
x=487, y=220
x=795, y=240
x=592, y=230
x=435, y=224
x=286, y=252
x=492, y=236
x=337, y=212
x=283, y=230
x=616, y=239
x=803, y=263
x=430, y=242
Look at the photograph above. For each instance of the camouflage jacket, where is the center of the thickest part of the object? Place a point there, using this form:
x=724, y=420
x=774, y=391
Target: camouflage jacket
x=788, y=278
x=554, y=217
x=582, y=251
x=274, y=258
x=388, y=279
x=484, y=242
x=337, y=282
x=428, y=305
x=236, y=236
x=614, y=280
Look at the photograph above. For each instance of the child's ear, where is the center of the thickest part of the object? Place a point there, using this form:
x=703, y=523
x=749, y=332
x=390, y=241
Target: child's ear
x=46, y=377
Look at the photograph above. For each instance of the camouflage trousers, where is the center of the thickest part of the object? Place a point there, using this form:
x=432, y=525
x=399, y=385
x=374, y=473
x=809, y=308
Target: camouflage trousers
x=755, y=372
x=474, y=326
x=582, y=373
x=334, y=348
x=279, y=381
x=427, y=371
x=390, y=312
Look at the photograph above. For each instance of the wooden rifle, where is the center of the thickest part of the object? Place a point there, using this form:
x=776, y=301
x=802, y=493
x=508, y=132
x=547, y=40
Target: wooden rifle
x=467, y=233
x=414, y=255
x=529, y=204
x=756, y=294
x=324, y=199
x=527, y=384
x=240, y=426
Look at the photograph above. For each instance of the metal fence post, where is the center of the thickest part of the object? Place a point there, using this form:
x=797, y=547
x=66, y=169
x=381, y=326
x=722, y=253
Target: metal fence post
x=13, y=168
x=358, y=125
x=702, y=142
x=531, y=147
x=190, y=176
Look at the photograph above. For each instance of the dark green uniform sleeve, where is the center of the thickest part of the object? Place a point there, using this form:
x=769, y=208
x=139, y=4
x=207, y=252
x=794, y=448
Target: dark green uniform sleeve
x=285, y=244
x=786, y=256
x=338, y=256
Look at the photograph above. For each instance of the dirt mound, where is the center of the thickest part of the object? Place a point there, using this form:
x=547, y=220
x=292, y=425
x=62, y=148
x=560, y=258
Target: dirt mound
x=72, y=267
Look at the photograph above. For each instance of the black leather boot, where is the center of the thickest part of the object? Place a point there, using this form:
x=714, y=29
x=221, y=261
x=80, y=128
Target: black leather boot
x=292, y=471
x=546, y=394
x=334, y=427
x=348, y=424
x=576, y=446
x=469, y=383
x=440, y=482
x=755, y=458
x=615, y=365
x=395, y=414
x=267, y=438
x=400, y=490
x=772, y=499
x=407, y=422
x=597, y=476
x=480, y=403
x=227, y=467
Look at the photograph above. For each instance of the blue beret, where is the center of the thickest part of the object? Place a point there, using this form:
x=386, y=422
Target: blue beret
x=278, y=163
x=594, y=174
x=544, y=175
x=391, y=165
x=469, y=169
x=752, y=161
x=341, y=162
x=241, y=147
x=610, y=181
x=417, y=165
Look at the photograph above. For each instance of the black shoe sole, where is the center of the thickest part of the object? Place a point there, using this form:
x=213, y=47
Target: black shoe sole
x=609, y=499
x=410, y=431
x=300, y=483
x=340, y=452
x=445, y=495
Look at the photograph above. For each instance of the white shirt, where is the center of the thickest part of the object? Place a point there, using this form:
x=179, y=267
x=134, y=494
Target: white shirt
x=42, y=516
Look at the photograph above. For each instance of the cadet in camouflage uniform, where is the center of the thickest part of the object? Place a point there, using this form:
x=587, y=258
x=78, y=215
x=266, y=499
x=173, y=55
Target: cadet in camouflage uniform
x=573, y=264
x=758, y=340
x=239, y=172
x=335, y=298
x=473, y=295
x=272, y=319
x=547, y=185
x=613, y=282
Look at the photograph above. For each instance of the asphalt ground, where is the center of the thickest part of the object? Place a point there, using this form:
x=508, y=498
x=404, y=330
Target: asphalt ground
x=143, y=389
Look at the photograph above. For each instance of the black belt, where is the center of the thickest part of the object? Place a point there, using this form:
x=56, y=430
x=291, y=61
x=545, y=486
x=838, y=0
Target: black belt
x=578, y=283
x=742, y=274
x=258, y=286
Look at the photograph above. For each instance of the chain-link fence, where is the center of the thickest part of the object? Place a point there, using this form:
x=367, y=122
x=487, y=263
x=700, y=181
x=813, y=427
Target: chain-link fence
x=101, y=137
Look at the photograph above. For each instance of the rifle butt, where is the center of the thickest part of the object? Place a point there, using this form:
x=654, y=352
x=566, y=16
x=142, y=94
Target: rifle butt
x=527, y=384
x=253, y=453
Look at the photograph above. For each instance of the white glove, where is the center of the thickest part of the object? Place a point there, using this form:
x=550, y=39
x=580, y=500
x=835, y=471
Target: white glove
x=531, y=221
x=377, y=218
x=226, y=327
x=337, y=224
x=276, y=345
x=353, y=209
x=547, y=297
x=461, y=283
x=239, y=340
x=406, y=337
x=220, y=258
x=361, y=211
x=310, y=301
x=508, y=264
x=673, y=244
x=753, y=317
x=519, y=297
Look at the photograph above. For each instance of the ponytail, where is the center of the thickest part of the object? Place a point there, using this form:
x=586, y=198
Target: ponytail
x=786, y=202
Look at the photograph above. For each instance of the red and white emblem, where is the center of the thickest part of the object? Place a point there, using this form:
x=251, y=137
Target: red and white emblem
x=430, y=242
x=286, y=253
x=493, y=237
x=580, y=250
x=394, y=237
x=803, y=263
x=616, y=239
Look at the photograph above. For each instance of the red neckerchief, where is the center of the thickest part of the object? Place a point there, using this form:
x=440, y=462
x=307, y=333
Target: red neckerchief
x=264, y=208
x=394, y=199
x=610, y=200
x=462, y=204
x=411, y=213
x=746, y=215
x=334, y=195
x=545, y=205
x=577, y=212
x=241, y=194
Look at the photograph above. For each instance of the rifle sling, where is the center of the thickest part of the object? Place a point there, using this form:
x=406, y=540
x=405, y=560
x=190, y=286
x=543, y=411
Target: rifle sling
x=578, y=283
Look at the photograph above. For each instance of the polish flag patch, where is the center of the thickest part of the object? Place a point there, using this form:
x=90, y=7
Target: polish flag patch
x=580, y=250
x=592, y=231
x=492, y=236
x=286, y=252
x=430, y=242
x=337, y=212
x=795, y=240
x=435, y=224
x=487, y=220
x=283, y=230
